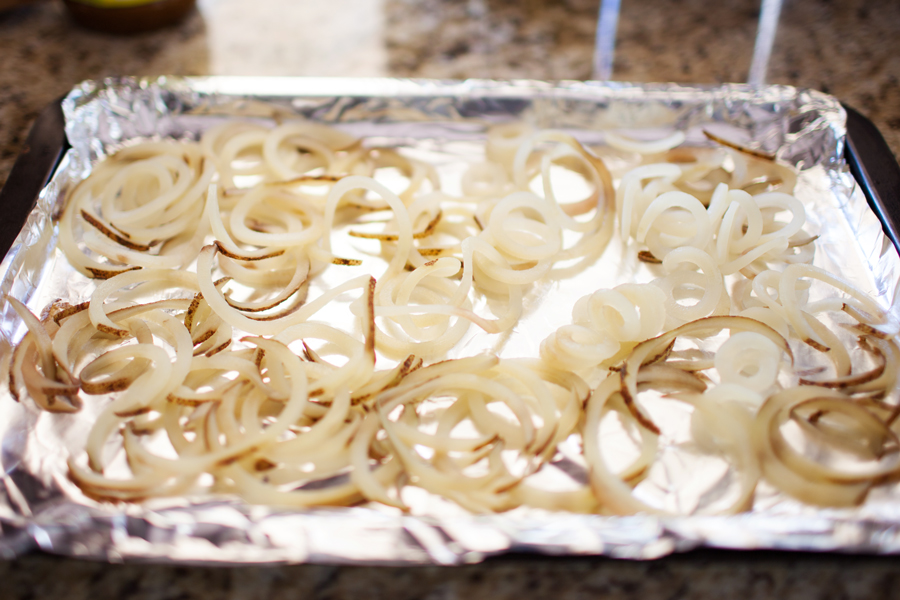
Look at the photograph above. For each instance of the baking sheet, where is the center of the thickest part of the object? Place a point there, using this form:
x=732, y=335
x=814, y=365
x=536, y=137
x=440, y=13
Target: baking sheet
x=39, y=507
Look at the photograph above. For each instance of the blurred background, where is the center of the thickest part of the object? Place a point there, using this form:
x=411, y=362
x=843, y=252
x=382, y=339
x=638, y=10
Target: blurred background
x=848, y=48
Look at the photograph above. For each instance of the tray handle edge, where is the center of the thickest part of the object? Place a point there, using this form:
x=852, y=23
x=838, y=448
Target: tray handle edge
x=43, y=149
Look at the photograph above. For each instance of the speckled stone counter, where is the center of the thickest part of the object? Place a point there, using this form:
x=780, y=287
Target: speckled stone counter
x=700, y=576
x=848, y=48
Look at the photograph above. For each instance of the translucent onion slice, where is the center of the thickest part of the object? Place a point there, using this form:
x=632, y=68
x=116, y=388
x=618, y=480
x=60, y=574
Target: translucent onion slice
x=804, y=478
x=627, y=144
x=651, y=348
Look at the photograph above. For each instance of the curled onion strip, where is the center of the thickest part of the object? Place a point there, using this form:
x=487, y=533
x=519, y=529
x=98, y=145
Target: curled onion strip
x=806, y=479
x=702, y=327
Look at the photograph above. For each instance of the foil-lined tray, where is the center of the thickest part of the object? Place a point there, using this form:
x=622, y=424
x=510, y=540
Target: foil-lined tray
x=41, y=508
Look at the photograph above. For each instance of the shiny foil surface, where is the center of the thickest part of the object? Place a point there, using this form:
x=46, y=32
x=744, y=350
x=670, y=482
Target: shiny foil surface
x=445, y=123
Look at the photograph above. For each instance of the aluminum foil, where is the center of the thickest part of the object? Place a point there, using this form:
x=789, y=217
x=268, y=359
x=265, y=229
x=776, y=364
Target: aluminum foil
x=444, y=121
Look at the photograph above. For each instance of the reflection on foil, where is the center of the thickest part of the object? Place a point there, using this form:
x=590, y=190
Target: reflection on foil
x=41, y=508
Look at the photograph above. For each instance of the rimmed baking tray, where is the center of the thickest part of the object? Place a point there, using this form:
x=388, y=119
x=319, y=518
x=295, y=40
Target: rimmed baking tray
x=838, y=150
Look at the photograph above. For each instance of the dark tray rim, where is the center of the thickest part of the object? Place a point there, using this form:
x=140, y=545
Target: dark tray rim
x=868, y=156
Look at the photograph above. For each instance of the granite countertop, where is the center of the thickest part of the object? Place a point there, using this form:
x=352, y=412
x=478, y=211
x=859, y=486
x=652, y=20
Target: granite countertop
x=847, y=48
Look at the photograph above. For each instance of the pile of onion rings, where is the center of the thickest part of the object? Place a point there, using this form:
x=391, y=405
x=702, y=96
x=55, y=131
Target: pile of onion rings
x=203, y=351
